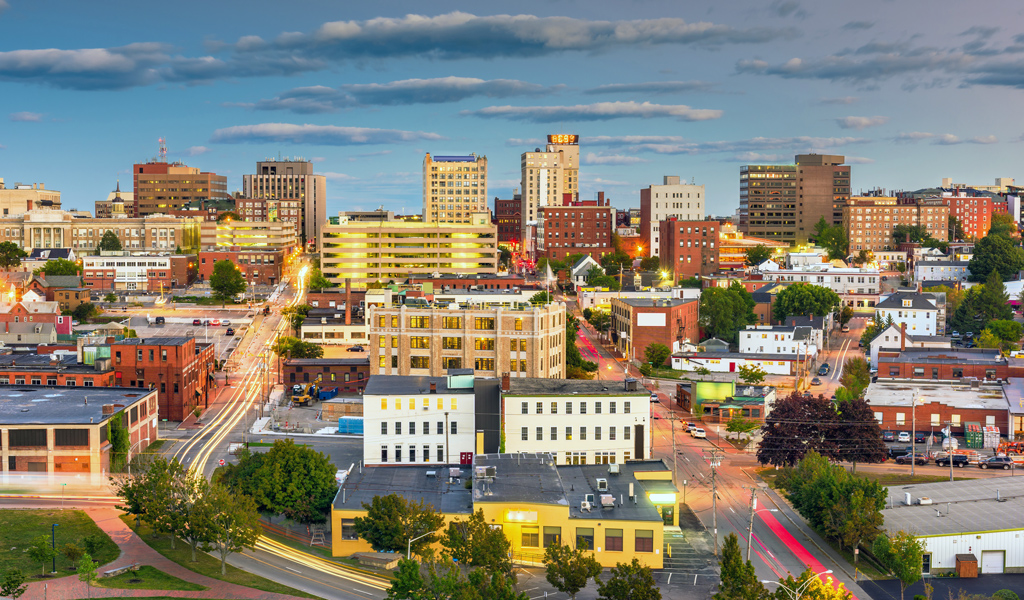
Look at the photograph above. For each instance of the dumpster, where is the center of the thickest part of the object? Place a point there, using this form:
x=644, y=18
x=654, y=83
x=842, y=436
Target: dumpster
x=350, y=425
x=974, y=435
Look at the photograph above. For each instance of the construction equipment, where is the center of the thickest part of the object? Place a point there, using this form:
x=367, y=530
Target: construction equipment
x=1010, y=447
x=308, y=393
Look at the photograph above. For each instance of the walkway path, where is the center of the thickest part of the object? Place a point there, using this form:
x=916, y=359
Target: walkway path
x=134, y=550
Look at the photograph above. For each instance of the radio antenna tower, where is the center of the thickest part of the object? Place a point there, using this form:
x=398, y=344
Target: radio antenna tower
x=163, y=149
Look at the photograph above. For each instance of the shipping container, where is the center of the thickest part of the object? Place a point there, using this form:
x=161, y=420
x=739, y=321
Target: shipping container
x=974, y=436
x=991, y=433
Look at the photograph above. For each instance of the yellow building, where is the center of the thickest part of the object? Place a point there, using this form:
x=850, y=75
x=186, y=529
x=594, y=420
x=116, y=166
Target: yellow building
x=454, y=187
x=620, y=510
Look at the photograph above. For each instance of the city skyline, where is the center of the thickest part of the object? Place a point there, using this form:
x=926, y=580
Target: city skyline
x=909, y=92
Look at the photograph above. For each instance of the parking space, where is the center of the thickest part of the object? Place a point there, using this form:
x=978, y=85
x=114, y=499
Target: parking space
x=181, y=325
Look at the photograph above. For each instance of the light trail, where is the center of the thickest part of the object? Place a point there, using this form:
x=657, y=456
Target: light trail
x=320, y=564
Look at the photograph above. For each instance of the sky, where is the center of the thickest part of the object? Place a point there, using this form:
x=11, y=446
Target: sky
x=910, y=91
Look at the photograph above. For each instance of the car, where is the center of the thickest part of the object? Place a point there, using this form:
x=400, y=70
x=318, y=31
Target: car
x=845, y=329
x=815, y=381
x=904, y=437
x=215, y=323
x=75, y=323
x=160, y=320
x=197, y=321
x=896, y=451
x=824, y=369
x=690, y=427
x=888, y=436
x=354, y=349
x=959, y=460
x=969, y=335
x=654, y=398
x=996, y=462
x=700, y=433
x=954, y=334
x=920, y=437
x=226, y=323
x=917, y=459
x=230, y=332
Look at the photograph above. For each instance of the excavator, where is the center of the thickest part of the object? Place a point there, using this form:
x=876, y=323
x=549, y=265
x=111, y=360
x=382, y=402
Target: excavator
x=308, y=393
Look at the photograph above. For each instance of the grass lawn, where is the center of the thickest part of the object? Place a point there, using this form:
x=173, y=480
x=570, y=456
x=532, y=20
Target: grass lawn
x=667, y=373
x=152, y=579
x=21, y=527
x=208, y=565
x=157, y=445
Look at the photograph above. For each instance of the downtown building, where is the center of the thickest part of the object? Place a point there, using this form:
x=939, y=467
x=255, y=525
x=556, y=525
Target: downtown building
x=577, y=227
x=454, y=188
x=869, y=221
x=784, y=202
x=548, y=178
x=49, y=228
x=688, y=248
x=295, y=186
x=671, y=200
x=22, y=198
x=508, y=219
x=160, y=187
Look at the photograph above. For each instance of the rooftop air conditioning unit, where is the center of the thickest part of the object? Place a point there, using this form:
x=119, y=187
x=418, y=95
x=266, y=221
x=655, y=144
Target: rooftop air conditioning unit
x=602, y=485
x=584, y=506
x=613, y=468
x=589, y=498
x=607, y=501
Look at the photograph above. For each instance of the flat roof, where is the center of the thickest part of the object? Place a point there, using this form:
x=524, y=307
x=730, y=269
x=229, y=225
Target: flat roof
x=326, y=362
x=958, y=507
x=380, y=385
x=411, y=483
x=656, y=302
x=984, y=397
x=536, y=386
x=964, y=356
x=735, y=355
x=60, y=405
x=66, y=363
x=155, y=341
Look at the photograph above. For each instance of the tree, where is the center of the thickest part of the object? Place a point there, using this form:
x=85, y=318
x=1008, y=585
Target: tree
x=295, y=481
x=10, y=255
x=724, y=311
x=756, y=255
x=71, y=552
x=1006, y=330
x=995, y=253
x=85, y=311
x=802, y=299
x=901, y=554
x=41, y=552
x=234, y=526
x=228, y=215
x=475, y=543
x=992, y=300
x=195, y=509
x=956, y=229
x=833, y=238
x=987, y=339
x=605, y=281
x=657, y=354
x=568, y=568
x=391, y=521
x=918, y=233
x=110, y=297
x=612, y=262
x=60, y=266
x=953, y=297
x=796, y=426
x=540, y=298
x=226, y=281
x=433, y=580
x=864, y=257
x=752, y=374
x=1002, y=225
x=86, y=572
x=691, y=283
x=967, y=316
x=600, y=320
x=631, y=581
x=813, y=588
x=651, y=263
x=296, y=348
x=856, y=375
x=738, y=580
x=860, y=432
x=845, y=315
x=317, y=281
x=110, y=242
x=13, y=584
x=702, y=372
x=741, y=425
x=296, y=315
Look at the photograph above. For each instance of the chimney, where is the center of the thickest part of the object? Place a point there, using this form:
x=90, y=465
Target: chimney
x=506, y=382
x=433, y=387
x=348, y=301
x=600, y=198
x=903, y=337
x=108, y=409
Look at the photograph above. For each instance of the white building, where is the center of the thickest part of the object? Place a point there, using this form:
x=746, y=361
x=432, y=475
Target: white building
x=415, y=419
x=941, y=270
x=887, y=260
x=893, y=338
x=796, y=260
x=919, y=311
x=581, y=269
x=777, y=339
x=129, y=271
x=684, y=201
x=856, y=287
x=596, y=299
x=730, y=362
x=579, y=422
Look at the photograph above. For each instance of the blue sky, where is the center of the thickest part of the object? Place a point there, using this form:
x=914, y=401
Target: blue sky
x=910, y=91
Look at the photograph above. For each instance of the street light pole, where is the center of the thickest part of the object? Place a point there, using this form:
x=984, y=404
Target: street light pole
x=53, y=544
x=796, y=593
x=714, y=462
x=408, y=552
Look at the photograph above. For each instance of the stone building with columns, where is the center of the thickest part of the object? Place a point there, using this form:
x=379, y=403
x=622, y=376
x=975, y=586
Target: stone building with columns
x=48, y=228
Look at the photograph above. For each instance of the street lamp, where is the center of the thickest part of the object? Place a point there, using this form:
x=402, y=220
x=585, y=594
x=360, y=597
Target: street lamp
x=62, y=486
x=750, y=529
x=408, y=552
x=796, y=593
x=53, y=544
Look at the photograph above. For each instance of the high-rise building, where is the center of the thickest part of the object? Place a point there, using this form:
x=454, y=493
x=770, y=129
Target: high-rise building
x=548, y=177
x=688, y=248
x=508, y=218
x=974, y=212
x=580, y=227
x=672, y=199
x=785, y=202
x=290, y=180
x=869, y=221
x=161, y=187
x=454, y=187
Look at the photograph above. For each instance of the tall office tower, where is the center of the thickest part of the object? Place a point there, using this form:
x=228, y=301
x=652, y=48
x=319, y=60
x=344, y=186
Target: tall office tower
x=454, y=187
x=682, y=201
x=547, y=177
x=784, y=202
x=161, y=187
x=292, y=179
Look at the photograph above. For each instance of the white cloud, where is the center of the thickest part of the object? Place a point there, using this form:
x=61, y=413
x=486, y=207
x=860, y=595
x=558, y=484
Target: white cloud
x=861, y=122
x=612, y=159
x=27, y=117
x=328, y=135
x=196, y=150
x=913, y=136
x=516, y=142
x=842, y=100
x=600, y=111
x=339, y=176
x=859, y=160
x=757, y=157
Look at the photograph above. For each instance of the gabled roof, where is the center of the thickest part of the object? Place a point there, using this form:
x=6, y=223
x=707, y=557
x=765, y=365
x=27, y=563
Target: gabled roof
x=918, y=300
x=58, y=281
x=816, y=322
x=39, y=308
x=582, y=261
x=44, y=328
x=49, y=253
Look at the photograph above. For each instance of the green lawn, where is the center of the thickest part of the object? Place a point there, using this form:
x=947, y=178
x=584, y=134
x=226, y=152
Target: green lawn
x=21, y=527
x=667, y=373
x=206, y=564
x=152, y=579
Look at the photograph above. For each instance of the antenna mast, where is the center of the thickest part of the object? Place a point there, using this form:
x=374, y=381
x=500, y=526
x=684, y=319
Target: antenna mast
x=163, y=149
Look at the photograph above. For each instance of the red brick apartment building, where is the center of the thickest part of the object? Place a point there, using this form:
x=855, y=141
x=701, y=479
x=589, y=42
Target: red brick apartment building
x=640, y=322
x=348, y=375
x=180, y=369
x=264, y=267
x=942, y=364
x=508, y=218
x=688, y=248
x=64, y=370
x=974, y=214
x=577, y=227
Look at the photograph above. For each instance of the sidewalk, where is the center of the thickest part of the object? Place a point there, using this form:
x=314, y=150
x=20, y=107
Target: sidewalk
x=134, y=550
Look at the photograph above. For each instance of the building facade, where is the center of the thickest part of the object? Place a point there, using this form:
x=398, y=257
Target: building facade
x=919, y=311
x=857, y=287
x=869, y=221
x=291, y=180
x=128, y=271
x=259, y=266
x=160, y=187
x=47, y=228
x=179, y=368
x=639, y=322
x=454, y=188
x=547, y=176
x=347, y=375
x=37, y=313
x=973, y=212
x=688, y=248
x=524, y=341
x=733, y=246
x=941, y=270
x=508, y=219
x=671, y=199
x=247, y=235
x=22, y=198
x=578, y=227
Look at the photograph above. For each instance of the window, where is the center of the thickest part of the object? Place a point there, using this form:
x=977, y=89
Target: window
x=451, y=362
x=611, y=407
x=540, y=408
x=554, y=434
x=554, y=408
x=398, y=453
x=451, y=343
x=398, y=431
x=597, y=408
x=956, y=420
x=597, y=433
x=484, y=343
x=525, y=432
x=935, y=420
x=440, y=428
x=585, y=537
x=440, y=404
x=383, y=428
x=485, y=323
x=568, y=408
x=583, y=408
x=454, y=426
x=531, y=536
x=540, y=434
x=583, y=433
x=526, y=408
x=990, y=420
x=163, y=355
x=440, y=453
x=419, y=362
x=394, y=341
x=484, y=364
x=412, y=427
x=644, y=540
x=383, y=454
x=613, y=540
x=394, y=321
x=419, y=322
x=901, y=418
x=455, y=404
x=452, y=323
x=420, y=342
x=611, y=433
x=348, y=529
x=568, y=434
x=552, y=535
x=625, y=407
x=625, y=432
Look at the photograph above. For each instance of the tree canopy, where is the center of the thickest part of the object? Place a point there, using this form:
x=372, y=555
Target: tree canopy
x=629, y=581
x=569, y=568
x=796, y=426
x=833, y=238
x=391, y=521
x=803, y=299
x=1002, y=225
x=228, y=215
x=651, y=263
x=756, y=255
x=738, y=579
x=317, y=281
x=296, y=348
x=110, y=242
x=11, y=255
x=656, y=354
x=995, y=253
x=918, y=233
x=724, y=311
x=226, y=281
x=901, y=554
x=60, y=266
x=475, y=543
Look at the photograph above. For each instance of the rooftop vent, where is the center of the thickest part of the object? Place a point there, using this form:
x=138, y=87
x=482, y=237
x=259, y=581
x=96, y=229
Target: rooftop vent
x=613, y=468
x=602, y=485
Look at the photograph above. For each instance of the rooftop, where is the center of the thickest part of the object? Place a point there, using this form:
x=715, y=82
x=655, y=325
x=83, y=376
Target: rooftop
x=381, y=385
x=957, y=507
x=983, y=397
x=535, y=386
x=952, y=356
x=411, y=483
x=65, y=363
x=655, y=302
x=942, y=263
x=918, y=301
x=735, y=355
x=326, y=362
x=155, y=341
x=45, y=405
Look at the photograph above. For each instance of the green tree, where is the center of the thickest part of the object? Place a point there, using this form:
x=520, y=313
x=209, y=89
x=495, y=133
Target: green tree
x=802, y=299
x=296, y=348
x=968, y=316
x=226, y=281
x=629, y=581
x=234, y=526
x=110, y=297
x=600, y=320
x=995, y=253
x=1002, y=225
x=987, y=339
x=540, y=298
x=918, y=233
x=110, y=242
x=756, y=255
x=999, y=595
x=195, y=510
x=391, y=521
x=60, y=266
x=953, y=297
x=956, y=229
x=742, y=425
x=691, y=283
x=85, y=311
x=296, y=315
x=317, y=281
x=833, y=238
x=612, y=262
x=845, y=315
x=738, y=580
x=10, y=255
x=475, y=543
x=860, y=433
x=605, y=281
x=856, y=375
x=295, y=481
x=41, y=552
x=569, y=569
x=901, y=554
x=702, y=372
x=13, y=584
x=86, y=572
x=812, y=587
x=1006, y=330
x=992, y=300
x=71, y=553
x=651, y=263
x=228, y=215
x=724, y=311
x=752, y=374
x=657, y=354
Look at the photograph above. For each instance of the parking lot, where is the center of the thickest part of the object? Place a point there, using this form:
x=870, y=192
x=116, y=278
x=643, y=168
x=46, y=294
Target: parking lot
x=181, y=325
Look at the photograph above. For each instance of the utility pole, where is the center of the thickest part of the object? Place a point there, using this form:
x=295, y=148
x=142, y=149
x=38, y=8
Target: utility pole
x=949, y=451
x=714, y=462
x=750, y=528
x=675, y=469
x=913, y=432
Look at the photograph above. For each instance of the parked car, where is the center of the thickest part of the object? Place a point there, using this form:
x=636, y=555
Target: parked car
x=700, y=433
x=354, y=349
x=904, y=437
x=197, y=321
x=690, y=427
x=654, y=397
x=959, y=460
x=888, y=436
x=815, y=381
x=230, y=332
x=920, y=437
x=969, y=335
x=215, y=323
x=75, y=323
x=160, y=320
x=996, y=462
x=845, y=329
x=824, y=369
x=955, y=334
x=918, y=459
x=896, y=451
x=226, y=323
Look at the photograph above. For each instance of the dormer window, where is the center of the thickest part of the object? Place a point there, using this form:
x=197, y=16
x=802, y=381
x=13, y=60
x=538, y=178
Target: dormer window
x=908, y=303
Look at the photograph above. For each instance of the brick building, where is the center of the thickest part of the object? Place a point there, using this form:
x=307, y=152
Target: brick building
x=48, y=286
x=348, y=375
x=35, y=312
x=671, y=200
x=929, y=406
x=942, y=364
x=638, y=322
x=180, y=369
x=577, y=227
x=974, y=213
x=508, y=218
x=127, y=271
x=688, y=248
x=480, y=281
x=869, y=221
x=160, y=186
x=261, y=266
x=61, y=370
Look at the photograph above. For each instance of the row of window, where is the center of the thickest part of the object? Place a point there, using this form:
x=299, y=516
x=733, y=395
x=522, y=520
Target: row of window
x=598, y=433
x=423, y=322
x=598, y=405
x=384, y=455
x=643, y=539
x=453, y=428
x=396, y=404
x=901, y=419
x=70, y=381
